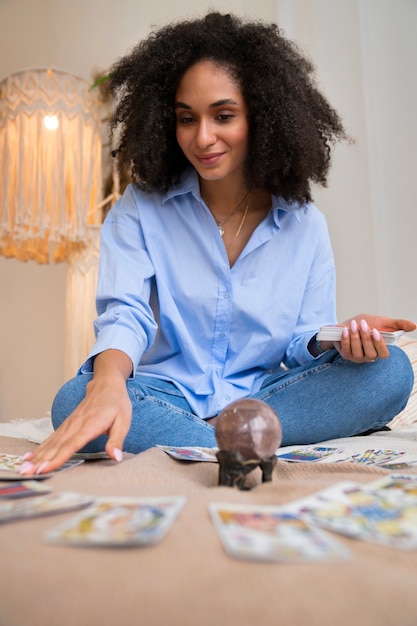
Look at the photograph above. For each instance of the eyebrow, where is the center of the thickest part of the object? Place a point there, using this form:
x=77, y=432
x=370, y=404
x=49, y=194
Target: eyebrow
x=218, y=103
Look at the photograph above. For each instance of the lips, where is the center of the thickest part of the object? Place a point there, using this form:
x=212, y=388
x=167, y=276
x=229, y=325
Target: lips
x=209, y=159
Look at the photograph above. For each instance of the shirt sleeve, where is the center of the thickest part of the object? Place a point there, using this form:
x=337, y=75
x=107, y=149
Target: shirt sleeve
x=125, y=319
x=319, y=300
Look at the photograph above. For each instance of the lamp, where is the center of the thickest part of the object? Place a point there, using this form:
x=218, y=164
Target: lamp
x=50, y=165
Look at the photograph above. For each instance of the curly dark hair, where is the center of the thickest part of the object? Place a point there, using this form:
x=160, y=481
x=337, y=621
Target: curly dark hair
x=291, y=125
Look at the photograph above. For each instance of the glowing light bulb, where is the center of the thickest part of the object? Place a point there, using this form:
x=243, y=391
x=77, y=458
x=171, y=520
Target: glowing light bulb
x=51, y=122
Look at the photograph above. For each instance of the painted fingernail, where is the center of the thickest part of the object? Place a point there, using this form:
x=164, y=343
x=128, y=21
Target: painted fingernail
x=345, y=333
x=376, y=334
x=41, y=467
x=364, y=326
x=25, y=467
x=118, y=454
x=353, y=326
x=27, y=456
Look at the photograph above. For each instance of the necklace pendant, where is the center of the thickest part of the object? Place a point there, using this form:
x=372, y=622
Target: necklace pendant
x=221, y=231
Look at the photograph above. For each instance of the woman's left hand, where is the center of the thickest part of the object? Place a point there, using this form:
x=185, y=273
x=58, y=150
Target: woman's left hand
x=361, y=338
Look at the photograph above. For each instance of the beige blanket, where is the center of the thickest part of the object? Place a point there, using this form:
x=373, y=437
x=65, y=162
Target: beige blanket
x=187, y=579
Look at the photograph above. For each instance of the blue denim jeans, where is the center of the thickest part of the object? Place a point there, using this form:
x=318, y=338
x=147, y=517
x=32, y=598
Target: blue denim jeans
x=326, y=399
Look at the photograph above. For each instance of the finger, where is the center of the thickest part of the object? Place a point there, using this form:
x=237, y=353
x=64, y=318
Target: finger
x=114, y=452
x=356, y=346
x=379, y=344
x=373, y=344
x=117, y=435
x=365, y=334
x=392, y=324
x=406, y=325
x=343, y=347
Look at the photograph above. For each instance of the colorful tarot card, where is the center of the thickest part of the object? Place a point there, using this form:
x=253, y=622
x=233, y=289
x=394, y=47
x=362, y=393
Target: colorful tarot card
x=401, y=487
x=118, y=521
x=308, y=454
x=267, y=533
x=374, y=457
x=182, y=453
x=358, y=511
x=10, y=465
x=10, y=462
x=22, y=489
x=48, y=504
x=402, y=466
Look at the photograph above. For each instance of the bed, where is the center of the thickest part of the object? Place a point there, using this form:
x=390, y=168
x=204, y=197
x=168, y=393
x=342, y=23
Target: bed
x=187, y=579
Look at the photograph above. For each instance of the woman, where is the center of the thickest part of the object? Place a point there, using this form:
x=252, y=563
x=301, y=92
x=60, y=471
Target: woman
x=216, y=270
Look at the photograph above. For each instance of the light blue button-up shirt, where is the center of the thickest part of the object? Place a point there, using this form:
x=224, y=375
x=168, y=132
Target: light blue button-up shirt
x=168, y=298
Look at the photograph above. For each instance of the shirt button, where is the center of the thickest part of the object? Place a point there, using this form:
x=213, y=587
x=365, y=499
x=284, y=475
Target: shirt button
x=226, y=294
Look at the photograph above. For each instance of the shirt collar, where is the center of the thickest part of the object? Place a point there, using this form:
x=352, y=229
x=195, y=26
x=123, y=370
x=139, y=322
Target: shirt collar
x=190, y=184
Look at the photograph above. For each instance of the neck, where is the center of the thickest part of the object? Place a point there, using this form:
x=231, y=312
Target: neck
x=223, y=193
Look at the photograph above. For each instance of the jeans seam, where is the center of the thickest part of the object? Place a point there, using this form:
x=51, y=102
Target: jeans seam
x=289, y=381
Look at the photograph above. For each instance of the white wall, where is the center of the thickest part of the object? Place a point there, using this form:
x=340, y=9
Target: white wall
x=320, y=27
x=366, y=56
x=390, y=71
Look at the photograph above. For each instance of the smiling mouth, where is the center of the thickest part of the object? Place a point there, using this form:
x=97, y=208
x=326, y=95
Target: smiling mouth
x=208, y=159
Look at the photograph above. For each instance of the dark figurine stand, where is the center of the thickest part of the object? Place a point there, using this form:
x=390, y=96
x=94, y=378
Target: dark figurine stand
x=234, y=467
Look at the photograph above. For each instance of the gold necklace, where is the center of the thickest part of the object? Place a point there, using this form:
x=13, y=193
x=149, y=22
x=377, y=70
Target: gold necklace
x=243, y=220
x=220, y=224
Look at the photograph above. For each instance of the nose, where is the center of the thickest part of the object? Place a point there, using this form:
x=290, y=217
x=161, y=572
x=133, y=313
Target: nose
x=205, y=135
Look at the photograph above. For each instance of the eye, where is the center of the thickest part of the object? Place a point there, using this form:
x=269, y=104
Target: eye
x=185, y=120
x=224, y=117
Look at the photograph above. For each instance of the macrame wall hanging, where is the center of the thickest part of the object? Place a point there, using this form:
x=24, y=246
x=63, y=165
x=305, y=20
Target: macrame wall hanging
x=51, y=175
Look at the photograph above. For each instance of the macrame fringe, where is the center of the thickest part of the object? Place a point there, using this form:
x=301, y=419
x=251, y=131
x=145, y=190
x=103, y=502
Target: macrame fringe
x=50, y=180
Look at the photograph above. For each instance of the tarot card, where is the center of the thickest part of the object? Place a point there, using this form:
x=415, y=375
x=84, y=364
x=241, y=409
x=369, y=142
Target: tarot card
x=10, y=465
x=22, y=489
x=118, y=522
x=91, y=456
x=183, y=453
x=308, y=454
x=267, y=533
x=375, y=457
x=402, y=466
x=10, y=462
x=358, y=511
x=334, y=333
x=400, y=487
x=48, y=504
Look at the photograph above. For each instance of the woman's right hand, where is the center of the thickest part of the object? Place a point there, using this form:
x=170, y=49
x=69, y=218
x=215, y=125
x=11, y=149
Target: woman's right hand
x=105, y=410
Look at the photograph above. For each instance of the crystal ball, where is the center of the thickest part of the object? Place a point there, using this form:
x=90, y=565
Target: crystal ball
x=250, y=427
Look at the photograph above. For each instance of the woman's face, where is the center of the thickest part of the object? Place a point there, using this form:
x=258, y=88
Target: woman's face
x=212, y=121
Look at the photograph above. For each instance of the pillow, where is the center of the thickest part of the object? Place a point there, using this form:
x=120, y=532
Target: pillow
x=409, y=414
